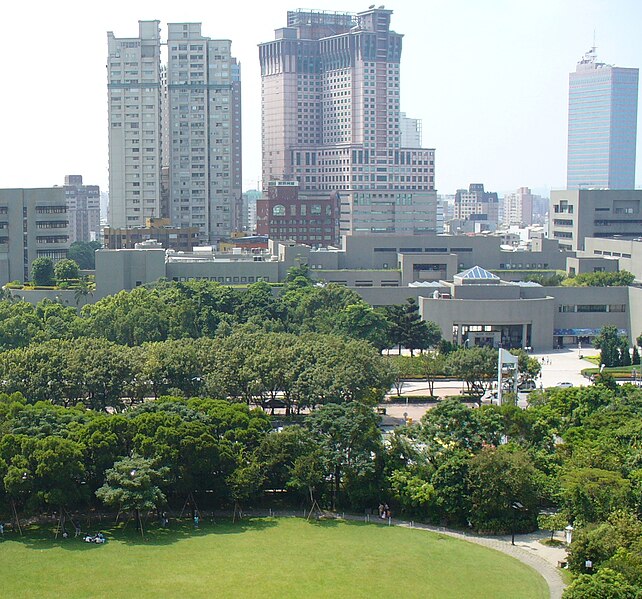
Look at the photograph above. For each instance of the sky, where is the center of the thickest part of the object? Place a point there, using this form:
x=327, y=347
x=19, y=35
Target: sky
x=488, y=79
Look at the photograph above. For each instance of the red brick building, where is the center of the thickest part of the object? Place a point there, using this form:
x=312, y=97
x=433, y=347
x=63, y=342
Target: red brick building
x=311, y=218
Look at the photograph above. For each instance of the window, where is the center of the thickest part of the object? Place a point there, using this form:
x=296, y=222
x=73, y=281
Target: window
x=278, y=210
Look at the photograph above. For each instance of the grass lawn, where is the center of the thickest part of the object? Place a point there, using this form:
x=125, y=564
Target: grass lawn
x=263, y=558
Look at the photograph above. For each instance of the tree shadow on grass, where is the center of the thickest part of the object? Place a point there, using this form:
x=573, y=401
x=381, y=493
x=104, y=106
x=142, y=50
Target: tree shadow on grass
x=43, y=537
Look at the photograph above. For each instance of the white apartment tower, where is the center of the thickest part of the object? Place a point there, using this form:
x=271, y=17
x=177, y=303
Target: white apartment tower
x=134, y=88
x=203, y=132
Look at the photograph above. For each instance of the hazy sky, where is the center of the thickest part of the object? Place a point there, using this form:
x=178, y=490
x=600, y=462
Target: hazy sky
x=489, y=79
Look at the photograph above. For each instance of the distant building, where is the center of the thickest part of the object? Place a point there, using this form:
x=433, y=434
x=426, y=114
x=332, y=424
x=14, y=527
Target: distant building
x=580, y=213
x=83, y=209
x=476, y=204
x=602, y=125
x=34, y=223
x=410, y=130
x=518, y=208
x=249, y=209
x=204, y=131
x=331, y=121
x=157, y=229
x=134, y=116
x=287, y=214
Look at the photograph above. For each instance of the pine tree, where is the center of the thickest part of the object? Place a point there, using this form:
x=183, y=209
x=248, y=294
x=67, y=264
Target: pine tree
x=635, y=360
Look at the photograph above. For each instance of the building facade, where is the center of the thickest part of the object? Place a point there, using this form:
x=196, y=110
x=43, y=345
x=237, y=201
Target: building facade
x=34, y=223
x=476, y=204
x=83, y=209
x=331, y=121
x=518, y=208
x=288, y=214
x=159, y=229
x=204, y=133
x=602, y=125
x=577, y=214
x=134, y=117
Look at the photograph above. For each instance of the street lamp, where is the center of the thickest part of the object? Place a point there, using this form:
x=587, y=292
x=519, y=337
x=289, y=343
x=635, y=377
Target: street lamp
x=516, y=506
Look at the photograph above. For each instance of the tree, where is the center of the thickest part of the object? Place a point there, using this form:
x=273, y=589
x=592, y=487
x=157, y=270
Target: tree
x=606, y=584
x=133, y=485
x=83, y=253
x=622, y=278
x=611, y=343
x=245, y=481
x=635, y=358
x=66, y=270
x=409, y=330
x=349, y=438
x=591, y=494
x=503, y=490
x=432, y=366
x=552, y=522
x=42, y=272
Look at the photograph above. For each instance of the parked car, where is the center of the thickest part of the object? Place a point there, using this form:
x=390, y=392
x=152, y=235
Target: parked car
x=564, y=385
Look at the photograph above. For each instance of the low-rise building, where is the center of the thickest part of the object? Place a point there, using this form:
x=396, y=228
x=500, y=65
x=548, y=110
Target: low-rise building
x=577, y=214
x=34, y=223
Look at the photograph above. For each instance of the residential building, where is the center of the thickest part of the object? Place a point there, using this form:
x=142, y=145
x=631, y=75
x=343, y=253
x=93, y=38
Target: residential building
x=134, y=116
x=34, y=223
x=410, y=130
x=250, y=198
x=580, y=213
x=602, y=125
x=518, y=208
x=83, y=209
x=331, y=121
x=204, y=132
x=288, y=215
x=476, y=204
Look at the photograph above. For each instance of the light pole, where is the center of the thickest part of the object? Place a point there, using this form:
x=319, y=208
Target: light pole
x=516, y=506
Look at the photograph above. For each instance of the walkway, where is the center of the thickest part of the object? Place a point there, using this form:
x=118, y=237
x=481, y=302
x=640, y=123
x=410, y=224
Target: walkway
x=545, y=563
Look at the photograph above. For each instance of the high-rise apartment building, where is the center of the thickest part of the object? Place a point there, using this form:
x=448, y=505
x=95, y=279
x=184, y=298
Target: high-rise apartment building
x=83, y=209
x=602, y=125
x=518, y=207
x=134, y=112
x=175, y=131
x=331, y=121
x=204, y=132
x=475, y=202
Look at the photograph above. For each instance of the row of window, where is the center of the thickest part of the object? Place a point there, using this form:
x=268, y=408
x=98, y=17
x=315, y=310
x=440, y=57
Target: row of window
x=592, y=308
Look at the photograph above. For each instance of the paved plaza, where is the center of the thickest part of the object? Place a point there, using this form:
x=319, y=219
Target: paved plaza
x=558, y=366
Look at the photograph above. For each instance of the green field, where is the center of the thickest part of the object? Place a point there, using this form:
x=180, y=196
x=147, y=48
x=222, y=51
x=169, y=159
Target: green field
x=263, y=558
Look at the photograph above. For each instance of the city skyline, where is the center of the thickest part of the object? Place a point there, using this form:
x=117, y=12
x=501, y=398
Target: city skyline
x=489, y=82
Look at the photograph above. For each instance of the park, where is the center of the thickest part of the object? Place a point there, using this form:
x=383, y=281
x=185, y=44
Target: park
x=263, y=557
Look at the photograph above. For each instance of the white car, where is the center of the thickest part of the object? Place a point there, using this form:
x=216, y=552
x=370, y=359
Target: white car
x=564, y=385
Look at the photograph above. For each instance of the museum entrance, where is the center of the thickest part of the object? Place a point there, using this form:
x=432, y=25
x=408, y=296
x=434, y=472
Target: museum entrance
x=511, y=336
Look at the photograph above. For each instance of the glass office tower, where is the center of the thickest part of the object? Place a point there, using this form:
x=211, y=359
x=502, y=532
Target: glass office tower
x=602, y=125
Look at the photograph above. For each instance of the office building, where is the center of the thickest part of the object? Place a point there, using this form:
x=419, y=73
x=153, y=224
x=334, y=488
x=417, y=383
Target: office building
x=602, y=125
x=580, y=213
x=34, y=223
x=204, y=133
x=331, y=121
x=134, y=113
x=83, y=209
x=288, y=214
